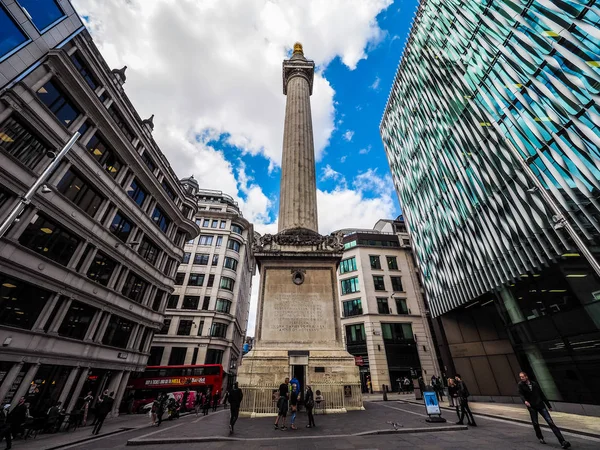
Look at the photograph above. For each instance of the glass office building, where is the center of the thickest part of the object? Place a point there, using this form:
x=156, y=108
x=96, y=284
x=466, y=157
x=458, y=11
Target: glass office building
x=492, y=135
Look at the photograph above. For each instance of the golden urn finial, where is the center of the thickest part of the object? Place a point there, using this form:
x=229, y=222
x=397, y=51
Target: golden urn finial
x=298, y=48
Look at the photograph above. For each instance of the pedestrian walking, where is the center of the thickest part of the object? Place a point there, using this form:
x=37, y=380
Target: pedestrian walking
x=407, y=385
x=216, y=398
x=294, y=405
x=184, y=400
x=87, y=401
x=438, y=388
x=537, y=403
x=160, y=409
x=206, y=403
x=99, y=401
x=463, y=398
x=452, y=394
x=130, y=401
x=5, y=426
x=309, y=402
x=17, y=417
x=154, y=412
x=103, y=410
x=282, y=404
x=235, y=399
x=198, y=402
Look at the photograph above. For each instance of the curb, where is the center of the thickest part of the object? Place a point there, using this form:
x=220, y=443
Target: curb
x=511, y=419
x=193, y=440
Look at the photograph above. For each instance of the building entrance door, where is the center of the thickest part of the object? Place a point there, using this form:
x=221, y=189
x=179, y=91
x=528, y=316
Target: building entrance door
x=299, y=373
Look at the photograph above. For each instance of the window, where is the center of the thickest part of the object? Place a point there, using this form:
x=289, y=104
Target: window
x=168, y=189
x=397, y=284
x=11, y=35
x=165, y=327
x=378, y=282
x=227, y=283
x=234, y=245
x=81, y=66
x=201, y=259
x=156, y=354
x=201, y=328
x=77, y=320
x=184, y=328
x=205, y=240
x=215, y=260
x=160, y=219
x=177, y=357
x=186, y=258
x=18, y=141
x=135, y=287
x=218, y=329
x=42, y=13
x=352, y=307
x=190, y=302
x=230, y=263
x=157, y=300
x=104, y=155
x=179, y=278
x=118, y=118
x=101, y=269
x=118, y=332
x=76, y=189
x=196, y=279
x=223, y=224
x=355, y=334
x=137, y=192
x=382, y=305
x=392, y=262
x=49, y=239
x=4, y=196
x=215, y=224
x=149, y=250
x=375, y=263
x=20, y=303
x=236, y=228
x=349, y=245
x=396, y=331
x=350, y=285
x=148, y=161
x=215, y=209
x=219, y=241
x=121, y=226
x=206, y=303
x=223, y=305
x=401, y=307
x=214, y=356
x=206, y=223
x=211, y=280
x=170, y=266
x=348, y=265
x=61, y=106
x=172, y=302
x=84, y=127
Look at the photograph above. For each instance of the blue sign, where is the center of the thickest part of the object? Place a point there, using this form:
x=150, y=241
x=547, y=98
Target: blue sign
x=431, y=403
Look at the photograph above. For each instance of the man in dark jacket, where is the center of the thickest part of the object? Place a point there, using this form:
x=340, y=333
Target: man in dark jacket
x=463, y=398
x=5, y=426
x=536, y=402
x=235, y=400
x=103, y=410
x=17, y=417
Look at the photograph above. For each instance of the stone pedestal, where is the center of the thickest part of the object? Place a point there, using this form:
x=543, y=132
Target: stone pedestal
x=298, y=331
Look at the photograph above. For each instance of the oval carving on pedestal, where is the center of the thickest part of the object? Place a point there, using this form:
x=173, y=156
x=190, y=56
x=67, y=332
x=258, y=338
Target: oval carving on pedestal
x=298, y=277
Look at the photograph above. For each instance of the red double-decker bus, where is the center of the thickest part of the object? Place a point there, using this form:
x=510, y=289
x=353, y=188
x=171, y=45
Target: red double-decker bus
x=148, y=384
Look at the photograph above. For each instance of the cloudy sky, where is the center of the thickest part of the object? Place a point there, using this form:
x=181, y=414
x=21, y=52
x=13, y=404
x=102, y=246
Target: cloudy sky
x=210, y=71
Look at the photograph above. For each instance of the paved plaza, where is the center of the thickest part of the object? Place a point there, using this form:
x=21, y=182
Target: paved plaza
x=370, y=429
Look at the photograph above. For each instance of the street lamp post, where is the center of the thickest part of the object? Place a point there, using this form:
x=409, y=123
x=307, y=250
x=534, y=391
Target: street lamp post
x=24, y=200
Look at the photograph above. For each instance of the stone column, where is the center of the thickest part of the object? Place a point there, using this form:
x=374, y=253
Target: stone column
x=89, y=335
x=298, y=191
x=82, y=377
x=45, y=315
x=120, y=392
x=9, y=379
x=24, y=386
x=68, y=385
x=114, y=382
x=60, y=316
x=102, y=328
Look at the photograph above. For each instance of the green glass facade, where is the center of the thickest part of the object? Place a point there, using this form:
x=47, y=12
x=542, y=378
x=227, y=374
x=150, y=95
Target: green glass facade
x=483, y=90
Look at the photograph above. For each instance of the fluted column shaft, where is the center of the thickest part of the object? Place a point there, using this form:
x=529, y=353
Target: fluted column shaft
x=298, y=191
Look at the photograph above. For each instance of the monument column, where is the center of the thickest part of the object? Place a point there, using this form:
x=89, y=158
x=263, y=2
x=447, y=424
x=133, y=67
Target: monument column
x=298, y=192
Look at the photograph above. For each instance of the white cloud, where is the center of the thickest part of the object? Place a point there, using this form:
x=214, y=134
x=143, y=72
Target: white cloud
x=343, y=159
x=329, y=173
x=364, y=151
x=375, y=85
x=348, y=135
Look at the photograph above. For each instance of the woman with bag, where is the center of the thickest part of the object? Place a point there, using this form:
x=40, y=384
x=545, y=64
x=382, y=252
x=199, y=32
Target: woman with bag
x=309, y=401
x=294, y=405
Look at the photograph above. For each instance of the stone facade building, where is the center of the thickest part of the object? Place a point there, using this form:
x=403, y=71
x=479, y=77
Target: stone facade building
x=86, y=271
x=207, y=314
x=382, y=306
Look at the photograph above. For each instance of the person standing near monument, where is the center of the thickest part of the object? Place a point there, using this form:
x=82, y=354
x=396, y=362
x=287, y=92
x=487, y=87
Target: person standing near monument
x=309, y=402
x=537, y=403
x=294, y=405
x=235, y=400
x=282, y=404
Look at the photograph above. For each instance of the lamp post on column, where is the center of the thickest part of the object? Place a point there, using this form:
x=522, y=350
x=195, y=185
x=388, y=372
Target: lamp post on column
x=24, y=200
